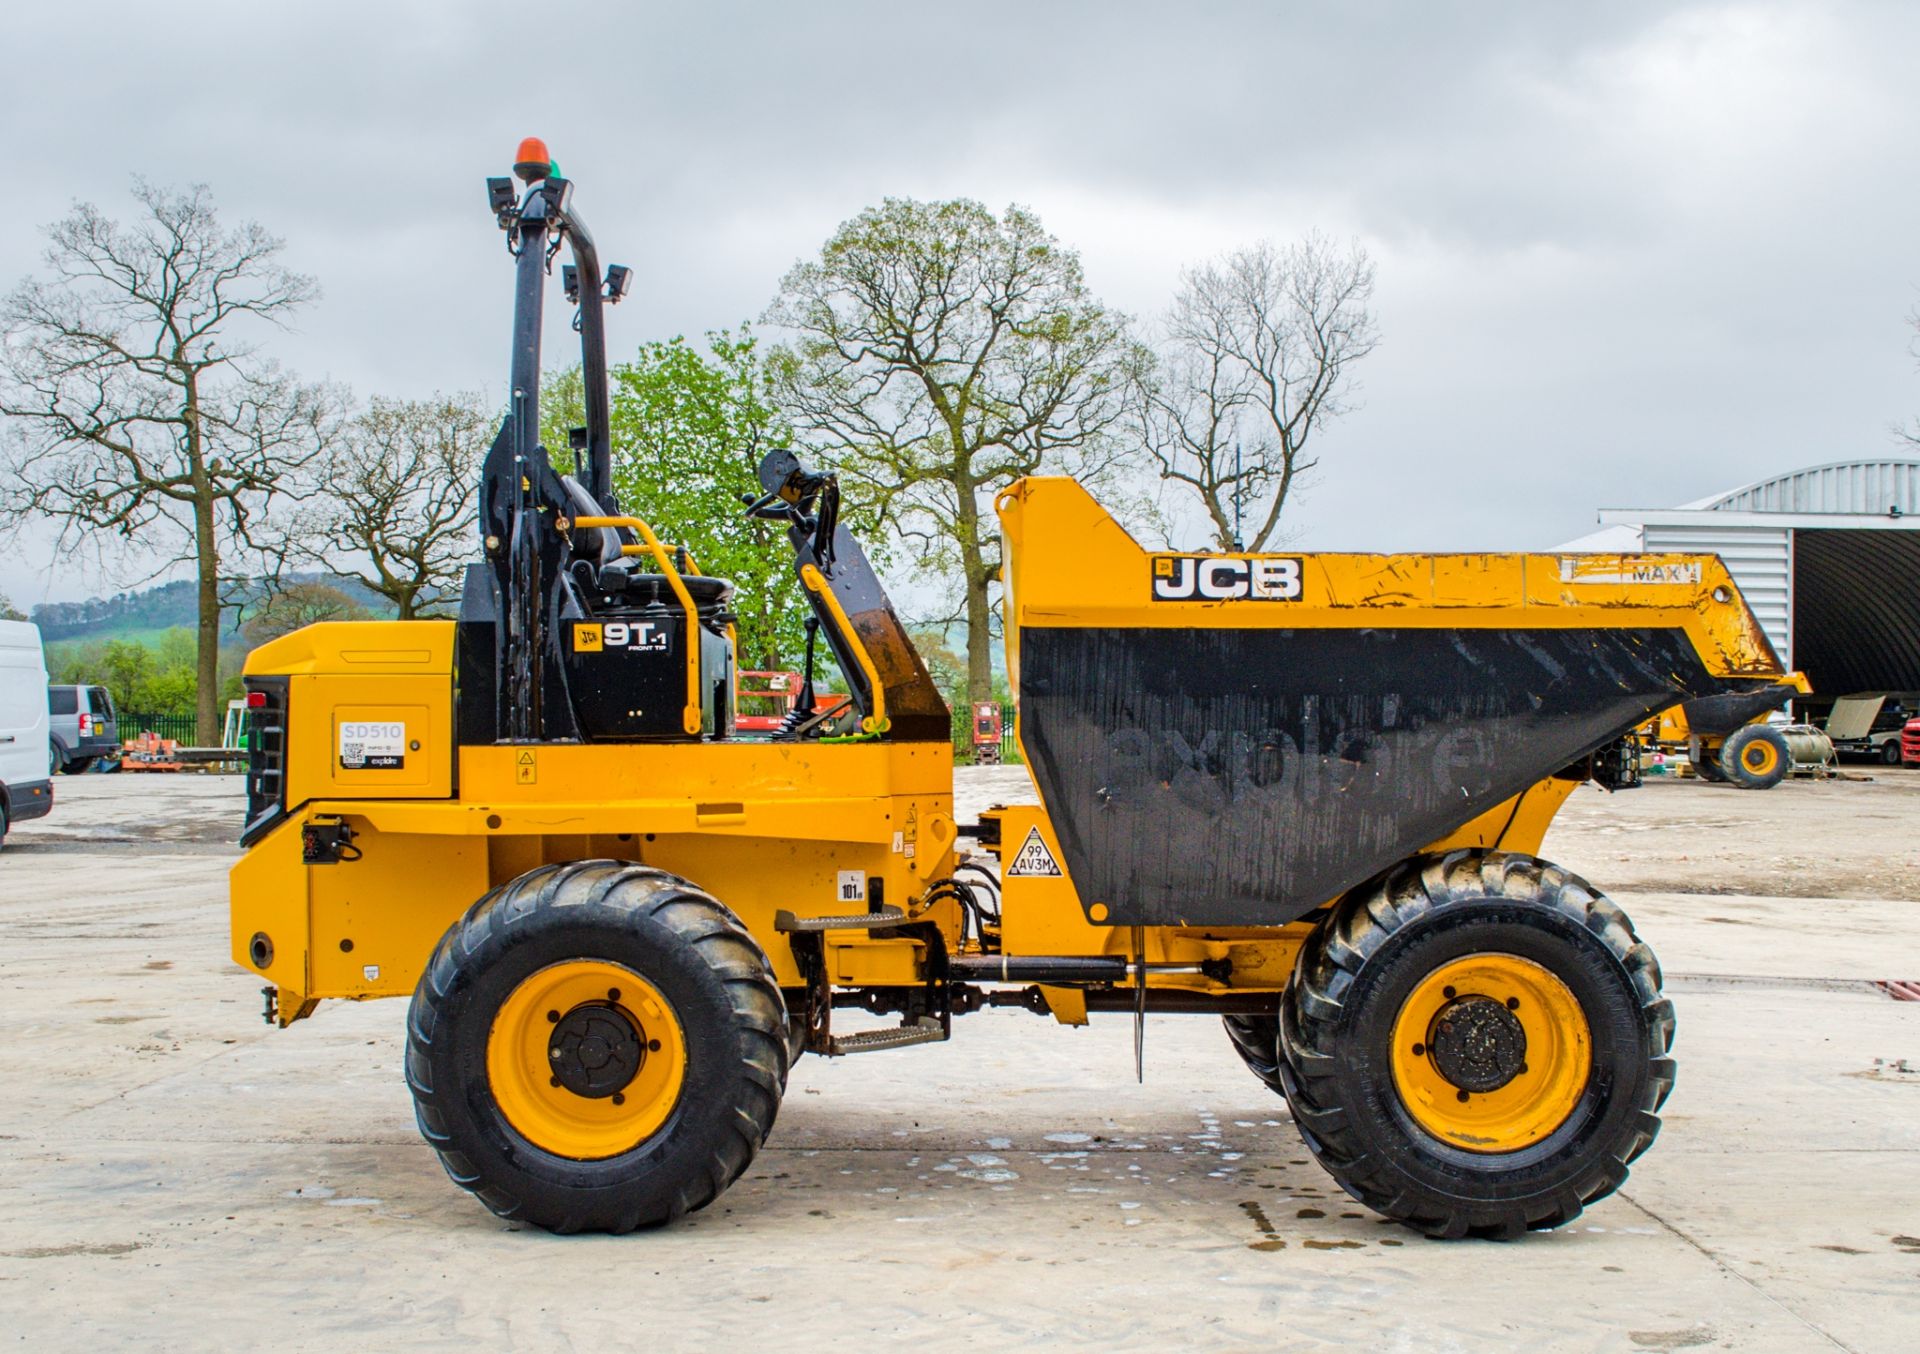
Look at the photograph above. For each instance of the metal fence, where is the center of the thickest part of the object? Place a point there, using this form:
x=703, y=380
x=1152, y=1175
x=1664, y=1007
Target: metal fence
x=963, y=733
x=180, y=728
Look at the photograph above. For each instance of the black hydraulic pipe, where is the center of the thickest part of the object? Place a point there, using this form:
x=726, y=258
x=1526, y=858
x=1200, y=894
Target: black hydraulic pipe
x=1182, y=1001
x=995, y=968
x=1160, y=1001
x=543, y=218
x=521, y=622
x=593, y=361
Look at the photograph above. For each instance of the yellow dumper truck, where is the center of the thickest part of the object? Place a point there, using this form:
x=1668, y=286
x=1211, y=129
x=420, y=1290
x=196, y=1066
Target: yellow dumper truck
x=1306, y=793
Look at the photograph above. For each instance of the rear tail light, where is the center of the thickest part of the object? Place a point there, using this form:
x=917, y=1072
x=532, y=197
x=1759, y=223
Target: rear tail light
x=266, y=742
x=86, y=725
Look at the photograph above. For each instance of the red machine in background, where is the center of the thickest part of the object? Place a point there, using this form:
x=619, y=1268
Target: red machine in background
x=772, y=698
x=986, y=733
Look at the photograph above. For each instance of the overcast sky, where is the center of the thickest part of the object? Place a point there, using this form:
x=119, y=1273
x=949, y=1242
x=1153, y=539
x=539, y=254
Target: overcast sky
x=1628, y=254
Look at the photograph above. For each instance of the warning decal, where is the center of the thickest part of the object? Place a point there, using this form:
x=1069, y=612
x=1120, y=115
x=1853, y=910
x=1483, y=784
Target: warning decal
x=1033, y=860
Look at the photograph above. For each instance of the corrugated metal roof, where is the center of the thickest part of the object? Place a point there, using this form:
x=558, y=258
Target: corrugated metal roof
x=1844, y=487
x=1760, y=560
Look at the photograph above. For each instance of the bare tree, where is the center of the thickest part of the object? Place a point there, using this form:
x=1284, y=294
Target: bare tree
x=1259, y=346
x=397, y=510
x=140, y=418
x=302, y=602
x=938, y=353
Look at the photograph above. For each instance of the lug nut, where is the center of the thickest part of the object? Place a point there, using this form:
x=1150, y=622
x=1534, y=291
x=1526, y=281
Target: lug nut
x=553, y=1017
x=1419, y=1050
x=1463, y=1097
x=1513, y=1003
x=619, y=1099
x=613, y=994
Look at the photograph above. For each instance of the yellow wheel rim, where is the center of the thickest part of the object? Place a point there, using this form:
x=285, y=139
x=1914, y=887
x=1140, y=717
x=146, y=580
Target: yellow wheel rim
x=1760, y=757
x=586, y=1059
x=1495, y=1017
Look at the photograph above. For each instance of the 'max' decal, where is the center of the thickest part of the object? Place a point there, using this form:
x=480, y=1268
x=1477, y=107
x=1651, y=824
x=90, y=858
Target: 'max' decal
x=1225, y=578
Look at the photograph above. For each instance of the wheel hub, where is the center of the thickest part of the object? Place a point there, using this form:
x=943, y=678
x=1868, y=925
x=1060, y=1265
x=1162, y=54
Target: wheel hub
x=595, y=1050
x=1478, y=1044
x=1491, y=1052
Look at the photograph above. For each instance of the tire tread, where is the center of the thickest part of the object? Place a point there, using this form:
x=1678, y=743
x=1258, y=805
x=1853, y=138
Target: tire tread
x=1329, y=964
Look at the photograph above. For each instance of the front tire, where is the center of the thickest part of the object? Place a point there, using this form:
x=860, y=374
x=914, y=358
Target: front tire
x=596, y=1046
x=1756, y=757
x=1478, y=1046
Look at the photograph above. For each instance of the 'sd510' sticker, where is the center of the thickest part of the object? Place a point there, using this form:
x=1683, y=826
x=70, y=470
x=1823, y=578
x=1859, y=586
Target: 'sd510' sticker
x=1226, y=578
x=373, y=745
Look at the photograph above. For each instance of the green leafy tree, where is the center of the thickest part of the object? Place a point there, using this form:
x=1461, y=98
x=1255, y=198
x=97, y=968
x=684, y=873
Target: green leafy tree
x=947, y=668
x=7, y=611
x=689, y=428
x=160, y=678
x=938, y=353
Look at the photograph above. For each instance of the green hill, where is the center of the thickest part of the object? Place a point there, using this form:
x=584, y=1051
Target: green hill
x=145, y=615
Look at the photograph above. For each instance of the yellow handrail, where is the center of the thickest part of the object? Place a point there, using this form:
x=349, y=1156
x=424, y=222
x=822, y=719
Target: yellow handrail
x=876, y=720
x=690, y=716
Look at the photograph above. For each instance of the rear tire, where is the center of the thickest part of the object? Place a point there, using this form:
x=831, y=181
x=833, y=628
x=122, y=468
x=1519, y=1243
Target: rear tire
x=1357, y=1095
x=1256, y=1038
x=1890, y=752
x=1705, y=764
x=1756, y=757
x=700, y=1021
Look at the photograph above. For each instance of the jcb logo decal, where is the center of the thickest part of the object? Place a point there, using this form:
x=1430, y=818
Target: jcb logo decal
x=1225, y=578
x=586, y=638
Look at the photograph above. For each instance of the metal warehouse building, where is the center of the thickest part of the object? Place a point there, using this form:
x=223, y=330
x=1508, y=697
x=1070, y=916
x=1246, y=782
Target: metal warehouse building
x=1827, y=557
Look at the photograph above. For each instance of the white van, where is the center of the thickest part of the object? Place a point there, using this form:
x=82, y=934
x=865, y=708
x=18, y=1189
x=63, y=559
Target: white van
x=25, y=789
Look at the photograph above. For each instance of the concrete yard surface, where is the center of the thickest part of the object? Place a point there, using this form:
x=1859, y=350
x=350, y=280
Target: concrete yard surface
x=175, y=1175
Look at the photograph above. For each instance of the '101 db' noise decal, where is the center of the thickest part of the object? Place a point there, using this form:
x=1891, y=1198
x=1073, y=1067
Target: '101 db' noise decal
x=1225, y=578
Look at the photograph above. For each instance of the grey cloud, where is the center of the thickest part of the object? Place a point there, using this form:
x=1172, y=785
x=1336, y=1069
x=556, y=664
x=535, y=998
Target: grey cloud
x=1629, y=253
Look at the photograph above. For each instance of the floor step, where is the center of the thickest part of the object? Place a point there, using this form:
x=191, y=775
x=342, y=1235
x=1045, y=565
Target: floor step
x=871, y=1041
x=855, y=921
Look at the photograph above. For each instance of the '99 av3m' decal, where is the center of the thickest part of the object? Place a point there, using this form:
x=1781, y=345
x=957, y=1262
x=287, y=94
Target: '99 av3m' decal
x=1222, y=578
